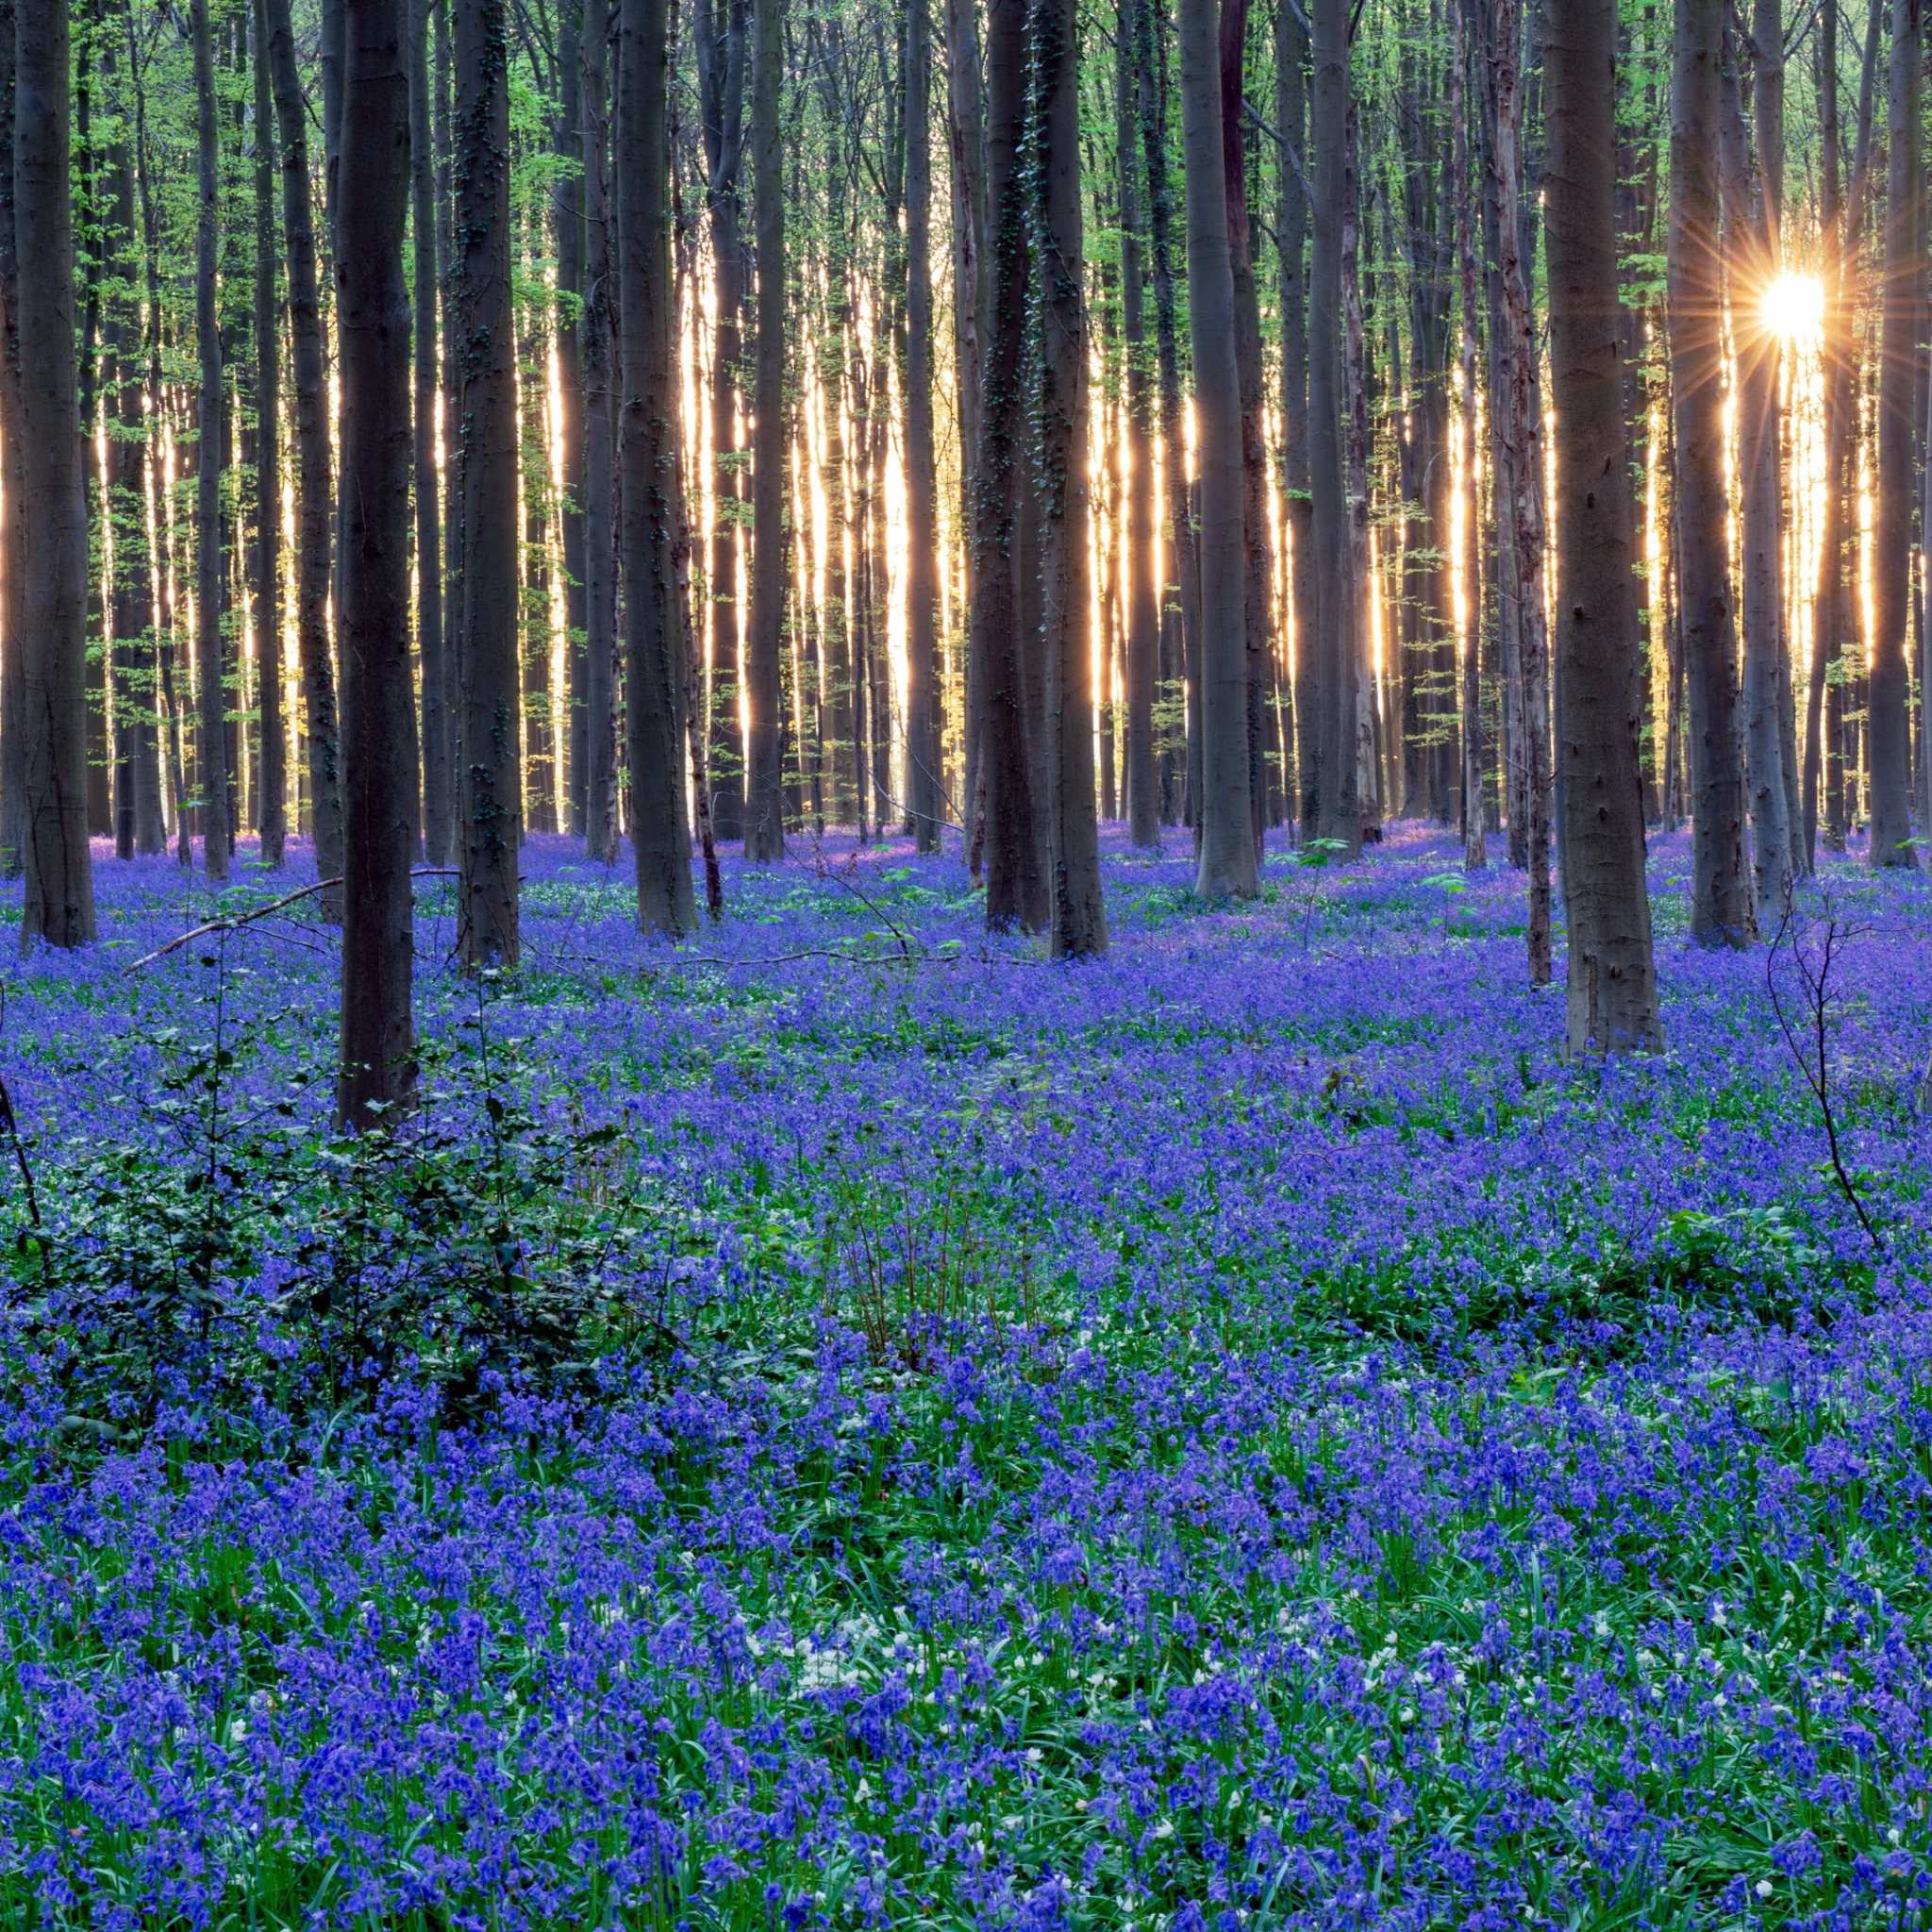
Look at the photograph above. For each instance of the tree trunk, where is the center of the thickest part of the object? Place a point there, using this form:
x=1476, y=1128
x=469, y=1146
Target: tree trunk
x=429, y=401
x=967, y=136
x=654, y=638
x=600, y=532
x=490, y=791
x=1333, y=808
x=1140, y=601
x=1015, y=889
x=13, y=577
x=923, y=694
x=573, y=745
x=1887, y=713
x=721, y=58
x=1751, y=263
x=378, y=1036
x=1077, y=919
x=764, y=800
x=1719, y=890
x=272, y=807
x=842, y=799
x=59, y=903
x=1290, y=111
x=212, y=787
x=1474, y=849
x=1612, y=983
x=1226, y=841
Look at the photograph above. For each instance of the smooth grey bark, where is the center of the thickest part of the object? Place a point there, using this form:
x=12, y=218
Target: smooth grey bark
x=1226, y=856
x=272, y=805
x=600, y=428
x=58, y=905
x=488, y=801
x=322, y=726
x=1612, y=971
x=764, y=796
x=654, y=636
x=1889, y=758
x=1720, y=884
x=1334, y=805
x=1077, y=919
x=376, y=1063
x=1291, y=113
x=212, y=787
x=567, y=212
x=923, y=696
x=438, y=814
x=1016, y=887
x=1141, y=614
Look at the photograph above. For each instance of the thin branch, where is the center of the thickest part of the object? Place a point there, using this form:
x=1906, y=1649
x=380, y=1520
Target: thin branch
x=239, y=920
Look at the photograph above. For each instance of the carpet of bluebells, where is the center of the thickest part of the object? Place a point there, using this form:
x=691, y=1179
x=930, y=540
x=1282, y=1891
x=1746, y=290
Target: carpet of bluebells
x=842, y=1422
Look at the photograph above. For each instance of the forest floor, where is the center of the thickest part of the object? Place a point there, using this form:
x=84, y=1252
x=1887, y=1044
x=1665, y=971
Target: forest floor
x=843, y=1423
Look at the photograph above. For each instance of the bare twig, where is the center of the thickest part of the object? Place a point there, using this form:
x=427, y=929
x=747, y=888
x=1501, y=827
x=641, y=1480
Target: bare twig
x=234, y=922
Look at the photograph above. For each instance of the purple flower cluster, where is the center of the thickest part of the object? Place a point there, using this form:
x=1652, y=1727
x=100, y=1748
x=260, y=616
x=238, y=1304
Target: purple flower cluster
x=1238, y=1434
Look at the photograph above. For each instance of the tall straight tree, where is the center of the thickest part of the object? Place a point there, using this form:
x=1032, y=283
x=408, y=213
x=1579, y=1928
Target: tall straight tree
x=600, y=438
x=272, y=808
x=1078, y=920
x=59, y=905
x=1475, y=848
x=1612, y=984
x=567, y=210
x=764, y=796
x=965, y=127
x=1226, y=827
x=490, y=803
x=13, y=575
x=1291, y=113
x=654, y=629
x=923, y=692
x=1888, y=724
x=211, y=669
x=1016, y=885
x=1140, y=609
x=322, y=726
x=437, y=814
x=378, y=1036
x=1719, y=885
x=1333, y=800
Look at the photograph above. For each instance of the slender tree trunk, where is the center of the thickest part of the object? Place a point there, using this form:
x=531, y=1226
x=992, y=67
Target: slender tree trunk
x=1475, y=849
x=429, y=401
x=600, y=589
x=844, y=801
x=59, y=903
x=764, y=802
x=87, y=218
x=967, y=135
x=573, y=746
x=1140, y=603
x=209, y=668
x=272, y=812
x=1887, y=716
x=1078, y=920
x=654, y=638
x=490, y=790
x=1290, y=112
x=534, y=636
x=923, y=694
x=1226, y=842
x=378, y=1035
x=1719, y=891
x=1016, y=892
x=13, y=579
x=1612, y=985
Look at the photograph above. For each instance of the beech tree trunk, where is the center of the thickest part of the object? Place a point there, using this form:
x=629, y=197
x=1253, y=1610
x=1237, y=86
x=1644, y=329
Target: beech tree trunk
x=490, y=776
x=923, y=692
x=1226, y=843
x=59, y=903
x=1475, y=848
x=1140, y=611
x=764, y=796
x=567, y=205
x=1720, y=888
x=1078, y=918
x=13, y=579
x=1613, y=981
x=378, y=1036
x=1333, y=804
x=437, y=815
x=600, y=515
x=1291, y=112
x=212, y=787
x=1887, y=714
x=654, y=636
x=966, y=131
x=271, y=805
x=1015, y=887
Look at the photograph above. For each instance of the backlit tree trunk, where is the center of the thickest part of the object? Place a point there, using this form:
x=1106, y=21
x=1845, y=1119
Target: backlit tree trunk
x=600, y=512
x=923, y=694
x=1140, y=603
x=1226, y=824
x=430, y=643
x=1290, y=112
x=378, y=1036
x=272, y=810
x=208, y=665
x=58, y=902
x=1612, y=982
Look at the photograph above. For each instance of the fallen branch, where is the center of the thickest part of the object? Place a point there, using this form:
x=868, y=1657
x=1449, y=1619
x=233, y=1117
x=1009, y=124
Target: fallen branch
x=239, y=920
